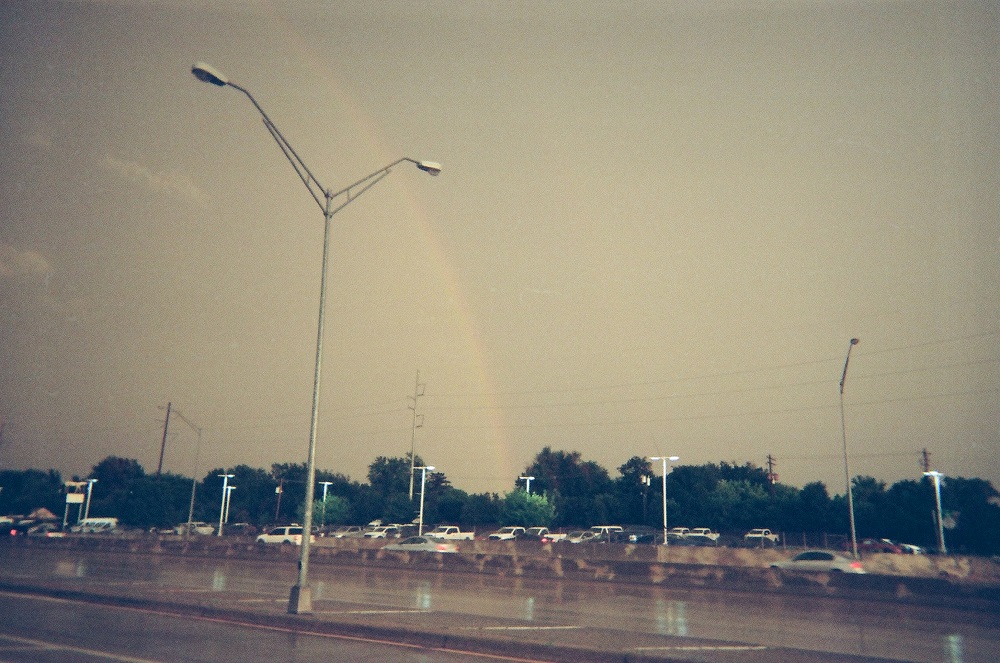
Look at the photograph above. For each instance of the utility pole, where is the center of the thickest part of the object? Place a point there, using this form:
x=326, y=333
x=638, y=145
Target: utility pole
x=771, y=476
x=163, y=444
x=418, y=421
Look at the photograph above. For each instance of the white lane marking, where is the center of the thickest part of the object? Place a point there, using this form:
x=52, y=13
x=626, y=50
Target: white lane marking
x=54, y=646
x=704, y=648
x=519, y=628
x=366, y=612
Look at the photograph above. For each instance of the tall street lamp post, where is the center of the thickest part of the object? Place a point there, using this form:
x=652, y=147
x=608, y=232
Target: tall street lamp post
x=326, y=485
x=225, y=496
x=90, y=489
x=329, y=201
x=527, y=483
x=423, y=484
x=672, y=459
x=934, y=474
x=847, y=471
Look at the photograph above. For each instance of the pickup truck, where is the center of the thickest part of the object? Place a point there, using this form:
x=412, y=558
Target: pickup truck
x=450, y=533
x=506, y=534
x=760, y=537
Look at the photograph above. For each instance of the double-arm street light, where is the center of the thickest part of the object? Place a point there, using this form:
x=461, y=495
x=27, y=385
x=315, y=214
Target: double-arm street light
x=330, y=202
x=672, y=459
x=527, y=483
x=847, y=471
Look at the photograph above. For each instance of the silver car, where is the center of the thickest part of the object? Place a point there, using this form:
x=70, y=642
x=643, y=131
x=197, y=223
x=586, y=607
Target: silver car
x=422, y=544
x=820, y=561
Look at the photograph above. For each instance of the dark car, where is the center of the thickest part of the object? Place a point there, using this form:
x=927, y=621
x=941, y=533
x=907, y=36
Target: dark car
x=879, y=546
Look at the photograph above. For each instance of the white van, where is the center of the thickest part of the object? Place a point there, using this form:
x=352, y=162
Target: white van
x=95, y=526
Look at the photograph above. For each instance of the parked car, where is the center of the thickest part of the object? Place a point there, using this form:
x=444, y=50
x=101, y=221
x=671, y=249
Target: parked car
x=879, y=546
x=383, y=532
x=541, y=534
x=678, y=533
x=197, y=527
x=95, y=526
x=347, y=532
x=820, y=561
x=287, y=534
x=606, y=532
x=760, y=537
x=451, y=533
x=638, y=534
x=422, y=544
x=582, y=536
x=47, y=529
x=506, y=533
x=703, y=536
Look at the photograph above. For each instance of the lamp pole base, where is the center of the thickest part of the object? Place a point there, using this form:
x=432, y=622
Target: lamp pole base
x=300, y=600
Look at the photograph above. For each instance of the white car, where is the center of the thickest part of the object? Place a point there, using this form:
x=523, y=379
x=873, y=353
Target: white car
x=383, y=532
x=820, y=561
x=197, y=527
x=291, y=534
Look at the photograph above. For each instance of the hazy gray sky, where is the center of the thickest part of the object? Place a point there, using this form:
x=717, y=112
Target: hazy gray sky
x=658, y=226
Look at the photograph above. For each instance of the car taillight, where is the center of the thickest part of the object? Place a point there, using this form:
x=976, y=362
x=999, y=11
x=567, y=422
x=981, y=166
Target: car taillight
x=855, y=565
x=442, y=547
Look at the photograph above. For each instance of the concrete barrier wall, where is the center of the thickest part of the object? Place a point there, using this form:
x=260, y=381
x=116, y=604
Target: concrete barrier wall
x=945, y=580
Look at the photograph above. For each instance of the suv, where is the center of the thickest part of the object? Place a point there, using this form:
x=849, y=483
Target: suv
x=291, y=534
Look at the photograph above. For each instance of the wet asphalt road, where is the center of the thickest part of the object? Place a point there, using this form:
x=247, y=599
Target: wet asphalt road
x=697, y=625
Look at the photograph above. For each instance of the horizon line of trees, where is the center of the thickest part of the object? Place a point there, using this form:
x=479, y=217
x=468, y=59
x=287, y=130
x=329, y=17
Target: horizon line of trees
x=566, y=492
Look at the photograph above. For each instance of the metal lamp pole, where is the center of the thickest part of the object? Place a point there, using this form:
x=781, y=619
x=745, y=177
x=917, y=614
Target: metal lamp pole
x=300, y=597
x=326, y=485
x=90, y=489
x=225, y=494
x=847, y=472
x=937, y=495
x=672, y=459
x=423, y=484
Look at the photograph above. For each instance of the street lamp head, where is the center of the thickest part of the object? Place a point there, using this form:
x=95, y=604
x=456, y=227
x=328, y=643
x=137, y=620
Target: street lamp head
x=431, y=167
x=209, y=74
x=855, y=341
x=430, y=468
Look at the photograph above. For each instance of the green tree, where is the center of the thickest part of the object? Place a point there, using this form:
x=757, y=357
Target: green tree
x=481, y=509
x=520, y=508
x=336, y=510
x=26, y=490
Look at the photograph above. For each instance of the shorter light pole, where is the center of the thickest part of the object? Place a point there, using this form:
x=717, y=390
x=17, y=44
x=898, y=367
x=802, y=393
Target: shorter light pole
x=672, y=459
x=90, y=488
x=423, y=484
x=326, y=485
x=225, y=494
x=527, y=483
x=229, y=499
x=937, y=495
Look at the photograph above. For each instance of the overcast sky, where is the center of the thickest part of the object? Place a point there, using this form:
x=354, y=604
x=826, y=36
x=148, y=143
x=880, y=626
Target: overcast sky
x=657, y=229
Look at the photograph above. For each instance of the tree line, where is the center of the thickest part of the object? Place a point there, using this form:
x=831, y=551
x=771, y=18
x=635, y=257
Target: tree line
x=567, y=491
